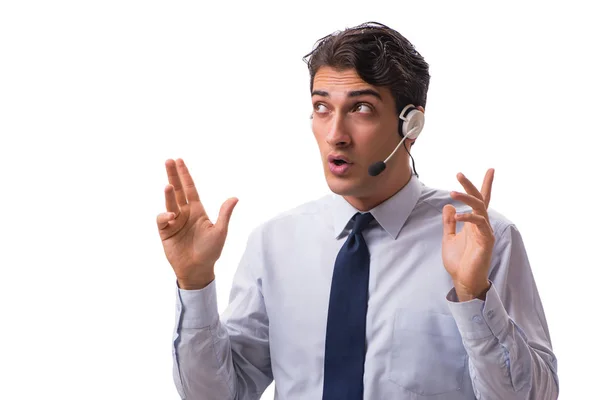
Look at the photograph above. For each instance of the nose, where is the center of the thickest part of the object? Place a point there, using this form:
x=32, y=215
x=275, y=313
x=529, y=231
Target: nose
x=337, y=134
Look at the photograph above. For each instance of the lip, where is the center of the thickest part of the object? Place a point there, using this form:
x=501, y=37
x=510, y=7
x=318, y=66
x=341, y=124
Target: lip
x=339, y=170
x=332, y=157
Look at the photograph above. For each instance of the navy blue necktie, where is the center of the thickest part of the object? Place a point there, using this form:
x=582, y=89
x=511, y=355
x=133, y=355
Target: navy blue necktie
x=346, y=321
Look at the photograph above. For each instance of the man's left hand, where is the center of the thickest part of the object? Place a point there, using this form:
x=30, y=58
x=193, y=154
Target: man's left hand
x=467, y=255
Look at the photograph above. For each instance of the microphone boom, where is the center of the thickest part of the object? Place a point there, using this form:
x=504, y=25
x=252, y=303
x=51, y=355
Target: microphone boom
x=378, y=167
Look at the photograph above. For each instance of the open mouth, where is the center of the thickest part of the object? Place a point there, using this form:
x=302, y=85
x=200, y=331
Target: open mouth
x=339, y=162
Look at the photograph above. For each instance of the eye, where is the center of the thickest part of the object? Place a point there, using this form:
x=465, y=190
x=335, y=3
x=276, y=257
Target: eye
x=363, y=108
x=320, y=108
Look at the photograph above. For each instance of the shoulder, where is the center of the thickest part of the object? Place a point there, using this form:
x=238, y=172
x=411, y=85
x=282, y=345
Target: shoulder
x=294, y=218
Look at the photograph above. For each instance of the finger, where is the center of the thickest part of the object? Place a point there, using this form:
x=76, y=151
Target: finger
x=171, y=201
x=486, y=188
x=468, y=185
x=448, y=213
x=480, y=221
x=476, y=204
x=189, y=187
x=225, y=213
x=162, y=220
x=176, y=182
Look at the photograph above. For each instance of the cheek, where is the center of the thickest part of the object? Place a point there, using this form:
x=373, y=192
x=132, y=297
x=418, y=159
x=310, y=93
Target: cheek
x=319, y=133
x=369, y=137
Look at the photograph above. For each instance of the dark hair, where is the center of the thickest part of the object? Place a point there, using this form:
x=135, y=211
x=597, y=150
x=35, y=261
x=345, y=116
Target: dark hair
x=381, y=57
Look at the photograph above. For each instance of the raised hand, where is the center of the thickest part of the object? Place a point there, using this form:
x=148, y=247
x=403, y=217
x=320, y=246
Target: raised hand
x=467, y=255
x=192, y=243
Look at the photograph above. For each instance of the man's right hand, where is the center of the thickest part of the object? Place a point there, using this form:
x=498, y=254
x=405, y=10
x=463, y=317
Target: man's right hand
x=192, y=243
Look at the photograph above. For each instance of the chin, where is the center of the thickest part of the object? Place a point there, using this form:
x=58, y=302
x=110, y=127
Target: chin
x=342, y=186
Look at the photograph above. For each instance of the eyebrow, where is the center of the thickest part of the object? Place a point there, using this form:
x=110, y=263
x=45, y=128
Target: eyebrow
x=354, y=93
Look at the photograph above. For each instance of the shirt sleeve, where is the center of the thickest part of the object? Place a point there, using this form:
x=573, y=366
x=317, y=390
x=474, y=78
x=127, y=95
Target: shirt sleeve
x=227, y=357
x=506, y=336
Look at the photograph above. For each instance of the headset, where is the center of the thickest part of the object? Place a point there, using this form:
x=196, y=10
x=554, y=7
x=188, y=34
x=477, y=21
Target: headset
x=411, y=124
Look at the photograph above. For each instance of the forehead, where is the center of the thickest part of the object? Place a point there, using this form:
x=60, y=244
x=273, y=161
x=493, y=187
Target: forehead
x=331, y=77
x=339, y=84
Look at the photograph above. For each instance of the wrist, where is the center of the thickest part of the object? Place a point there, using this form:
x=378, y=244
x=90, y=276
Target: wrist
x=197, y=283
x=467, y=293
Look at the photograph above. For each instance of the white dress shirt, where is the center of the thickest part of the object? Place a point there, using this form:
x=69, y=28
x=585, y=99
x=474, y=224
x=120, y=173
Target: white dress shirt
x=421, y=342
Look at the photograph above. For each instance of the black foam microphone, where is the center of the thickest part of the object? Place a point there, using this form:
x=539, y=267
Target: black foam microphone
x=376, y=168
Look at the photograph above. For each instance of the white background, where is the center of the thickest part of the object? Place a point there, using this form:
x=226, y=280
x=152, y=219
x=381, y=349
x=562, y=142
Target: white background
x=96, y=95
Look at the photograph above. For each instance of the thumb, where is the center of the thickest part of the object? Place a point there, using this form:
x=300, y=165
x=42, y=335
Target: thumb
x=225, y=213
x=448, y=213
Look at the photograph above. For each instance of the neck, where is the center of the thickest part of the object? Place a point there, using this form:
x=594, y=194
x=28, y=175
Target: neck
x=388, y=187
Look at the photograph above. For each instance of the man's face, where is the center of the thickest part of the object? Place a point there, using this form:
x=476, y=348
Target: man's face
x=357, y=122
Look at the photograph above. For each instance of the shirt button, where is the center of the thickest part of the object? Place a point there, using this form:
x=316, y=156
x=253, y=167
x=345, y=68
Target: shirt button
x=477, y=319
x=490, y=314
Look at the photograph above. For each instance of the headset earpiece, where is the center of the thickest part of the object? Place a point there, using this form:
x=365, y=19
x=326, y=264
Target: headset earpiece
x=411, y=122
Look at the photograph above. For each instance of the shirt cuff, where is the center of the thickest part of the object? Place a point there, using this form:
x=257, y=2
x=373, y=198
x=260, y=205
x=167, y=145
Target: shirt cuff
x=198, y=307
x=477, y=319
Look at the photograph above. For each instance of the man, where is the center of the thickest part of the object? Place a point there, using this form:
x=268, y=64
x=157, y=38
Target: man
x=386, y=289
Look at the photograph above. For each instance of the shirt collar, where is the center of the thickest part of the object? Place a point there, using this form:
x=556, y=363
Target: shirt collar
x=391, y=214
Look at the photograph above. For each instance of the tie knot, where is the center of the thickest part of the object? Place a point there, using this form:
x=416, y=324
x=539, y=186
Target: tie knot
x=361, y=221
